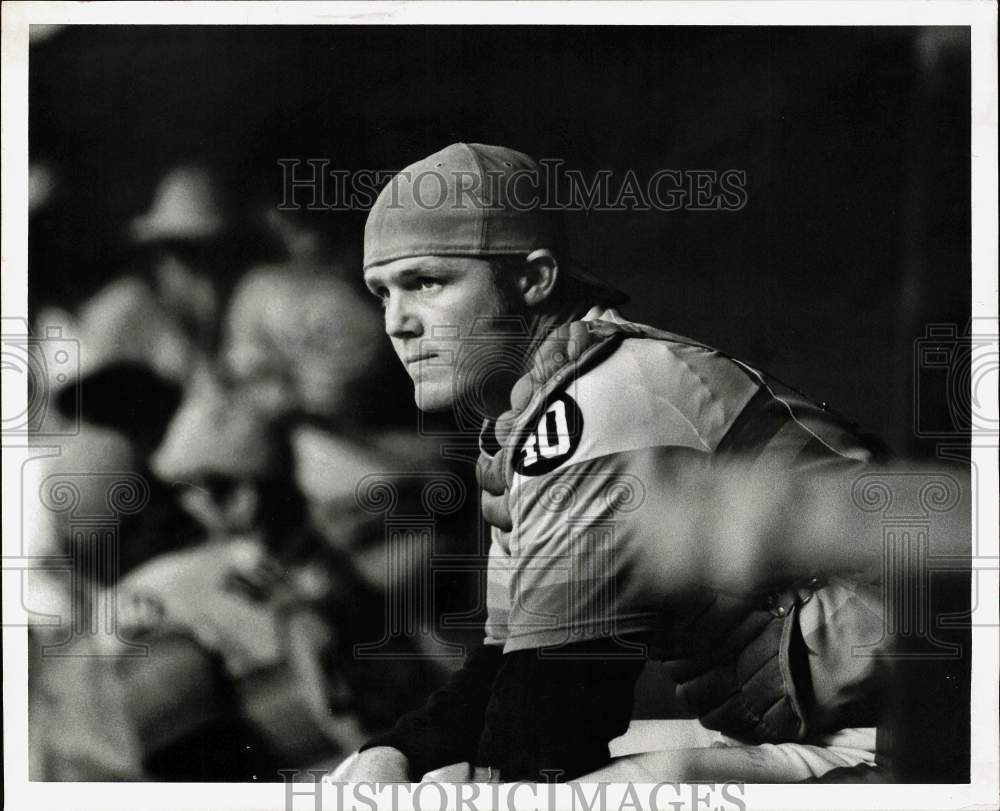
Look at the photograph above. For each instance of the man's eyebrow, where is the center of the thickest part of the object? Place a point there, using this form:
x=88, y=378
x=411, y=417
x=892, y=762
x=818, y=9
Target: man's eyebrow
x=422, y=270
x=405, y=274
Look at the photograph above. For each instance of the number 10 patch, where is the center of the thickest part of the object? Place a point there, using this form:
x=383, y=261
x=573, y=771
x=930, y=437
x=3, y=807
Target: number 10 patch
x=554, y=439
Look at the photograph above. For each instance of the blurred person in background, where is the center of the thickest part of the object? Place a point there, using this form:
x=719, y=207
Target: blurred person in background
x=107, y=366
x=156, y=294
x=110, y=405
x=134, y=341
x=252, y=611
x=251, y=632
x=195, y=241
x=301, y=343
x=113, y=416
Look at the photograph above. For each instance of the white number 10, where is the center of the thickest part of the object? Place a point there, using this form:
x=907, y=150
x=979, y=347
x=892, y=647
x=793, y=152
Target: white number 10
x=551, y=438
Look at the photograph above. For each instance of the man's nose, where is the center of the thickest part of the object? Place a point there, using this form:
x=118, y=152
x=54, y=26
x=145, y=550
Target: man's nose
x=400, y=320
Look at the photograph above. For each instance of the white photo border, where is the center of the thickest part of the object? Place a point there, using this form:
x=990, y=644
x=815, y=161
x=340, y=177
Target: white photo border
x=981, y=17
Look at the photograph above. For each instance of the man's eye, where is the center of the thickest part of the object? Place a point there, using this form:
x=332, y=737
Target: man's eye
x=382, y=295
x=428, y=283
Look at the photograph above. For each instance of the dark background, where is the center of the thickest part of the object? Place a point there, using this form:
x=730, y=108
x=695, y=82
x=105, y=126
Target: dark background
x=855, y=142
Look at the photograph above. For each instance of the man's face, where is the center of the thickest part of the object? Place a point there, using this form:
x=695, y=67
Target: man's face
x=432, y=304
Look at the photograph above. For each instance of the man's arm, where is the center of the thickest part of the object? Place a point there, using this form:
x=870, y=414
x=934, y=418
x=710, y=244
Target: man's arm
x=552, y=712
x=445, y=730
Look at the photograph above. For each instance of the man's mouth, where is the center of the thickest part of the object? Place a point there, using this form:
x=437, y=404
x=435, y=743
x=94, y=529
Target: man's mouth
x=411, y=359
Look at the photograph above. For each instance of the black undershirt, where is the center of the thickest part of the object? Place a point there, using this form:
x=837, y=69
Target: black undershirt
x=534, y=715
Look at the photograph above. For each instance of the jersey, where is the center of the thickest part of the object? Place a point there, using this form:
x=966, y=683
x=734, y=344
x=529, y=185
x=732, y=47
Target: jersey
x=579, y=482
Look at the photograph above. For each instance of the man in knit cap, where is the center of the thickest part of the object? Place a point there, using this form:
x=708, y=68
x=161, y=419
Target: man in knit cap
x=590, y=426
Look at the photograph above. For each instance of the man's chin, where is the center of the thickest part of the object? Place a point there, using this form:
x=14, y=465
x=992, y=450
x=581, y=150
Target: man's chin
x=431, y=400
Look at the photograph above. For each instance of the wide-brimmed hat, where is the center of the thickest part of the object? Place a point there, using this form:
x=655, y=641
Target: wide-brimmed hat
x=188, y=205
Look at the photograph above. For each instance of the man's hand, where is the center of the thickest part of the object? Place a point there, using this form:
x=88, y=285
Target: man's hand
x=380, y=764
x=455, y=773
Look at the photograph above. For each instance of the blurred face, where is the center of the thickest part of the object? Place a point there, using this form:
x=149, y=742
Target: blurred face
x=185, y=291
x=431, y=306
x=295, y=343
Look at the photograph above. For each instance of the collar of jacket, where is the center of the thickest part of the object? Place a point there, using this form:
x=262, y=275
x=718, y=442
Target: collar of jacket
x=564, y=354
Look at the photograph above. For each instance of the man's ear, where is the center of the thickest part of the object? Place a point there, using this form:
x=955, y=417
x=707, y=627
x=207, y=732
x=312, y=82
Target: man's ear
x=538, y=280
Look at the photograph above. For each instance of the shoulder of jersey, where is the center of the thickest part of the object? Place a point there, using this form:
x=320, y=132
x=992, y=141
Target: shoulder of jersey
x=652, y=389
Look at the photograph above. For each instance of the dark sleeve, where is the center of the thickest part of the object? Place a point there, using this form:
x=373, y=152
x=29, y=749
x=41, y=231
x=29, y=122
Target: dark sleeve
x=550, y=717
x=446, y=729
